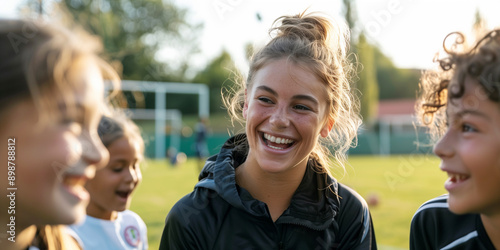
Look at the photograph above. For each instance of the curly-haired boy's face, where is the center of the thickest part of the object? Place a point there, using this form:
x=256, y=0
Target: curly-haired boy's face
x=470, y=152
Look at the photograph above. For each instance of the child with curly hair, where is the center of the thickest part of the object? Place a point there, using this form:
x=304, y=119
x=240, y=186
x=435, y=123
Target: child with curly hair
x=461, y=105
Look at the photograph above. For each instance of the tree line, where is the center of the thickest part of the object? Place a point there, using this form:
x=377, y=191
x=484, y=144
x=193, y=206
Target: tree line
x=133, y=31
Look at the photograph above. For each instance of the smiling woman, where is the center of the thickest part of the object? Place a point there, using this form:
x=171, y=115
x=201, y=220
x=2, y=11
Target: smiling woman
x=285, y=103
x=270, y=188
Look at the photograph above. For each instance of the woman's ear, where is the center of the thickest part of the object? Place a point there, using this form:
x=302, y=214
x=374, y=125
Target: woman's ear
x=327, y=128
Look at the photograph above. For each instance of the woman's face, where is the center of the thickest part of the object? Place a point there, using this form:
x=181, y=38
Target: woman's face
x=111, y=189
x=54, y=160
x=285, y=112
x=470, y=152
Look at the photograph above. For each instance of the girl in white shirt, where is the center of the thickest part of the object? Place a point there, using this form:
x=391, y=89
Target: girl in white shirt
x=109, y=225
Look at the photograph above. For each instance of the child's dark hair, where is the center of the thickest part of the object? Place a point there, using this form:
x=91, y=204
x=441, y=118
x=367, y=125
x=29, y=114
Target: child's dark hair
x=113, y=128
x=481, y=63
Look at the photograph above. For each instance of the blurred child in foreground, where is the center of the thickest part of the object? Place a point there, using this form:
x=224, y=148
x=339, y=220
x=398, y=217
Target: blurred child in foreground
x=51, y=101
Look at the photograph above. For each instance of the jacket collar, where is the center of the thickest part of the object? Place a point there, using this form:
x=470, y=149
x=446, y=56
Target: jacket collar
x=314, y=203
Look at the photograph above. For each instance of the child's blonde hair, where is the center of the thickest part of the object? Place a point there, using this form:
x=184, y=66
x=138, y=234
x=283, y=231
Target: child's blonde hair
x=53, y=237
x=320, y=45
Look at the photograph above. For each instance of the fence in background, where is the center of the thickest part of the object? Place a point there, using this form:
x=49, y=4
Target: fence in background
x=406, y=142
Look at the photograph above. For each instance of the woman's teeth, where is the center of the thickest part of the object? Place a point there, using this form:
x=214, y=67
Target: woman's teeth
x=277, y=140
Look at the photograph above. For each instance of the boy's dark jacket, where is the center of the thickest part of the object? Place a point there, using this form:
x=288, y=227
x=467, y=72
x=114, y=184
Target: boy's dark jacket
x=219, y=214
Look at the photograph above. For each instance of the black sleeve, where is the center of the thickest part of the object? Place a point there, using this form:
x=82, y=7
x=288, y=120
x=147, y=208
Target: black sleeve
x=176, y=233
x=355, y=223
x=193, y=221
x=418, y=232
x=428, y=225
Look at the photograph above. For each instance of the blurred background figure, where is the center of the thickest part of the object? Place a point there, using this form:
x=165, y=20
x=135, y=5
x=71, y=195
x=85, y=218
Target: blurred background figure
x=201, y=148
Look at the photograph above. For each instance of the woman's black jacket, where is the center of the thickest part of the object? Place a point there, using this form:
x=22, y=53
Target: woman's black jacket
x=219, y=214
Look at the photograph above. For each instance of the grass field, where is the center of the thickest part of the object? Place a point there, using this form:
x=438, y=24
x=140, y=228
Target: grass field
x=402, y=184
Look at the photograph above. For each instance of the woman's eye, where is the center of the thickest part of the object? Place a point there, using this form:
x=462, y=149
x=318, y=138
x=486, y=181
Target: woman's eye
x=302, y=107
x=265, y=100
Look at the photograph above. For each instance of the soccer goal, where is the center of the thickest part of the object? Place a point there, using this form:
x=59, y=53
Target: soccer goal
x=161, y=114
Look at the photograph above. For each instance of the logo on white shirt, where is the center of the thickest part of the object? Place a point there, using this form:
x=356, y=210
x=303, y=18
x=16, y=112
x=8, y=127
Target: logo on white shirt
x=132, y=236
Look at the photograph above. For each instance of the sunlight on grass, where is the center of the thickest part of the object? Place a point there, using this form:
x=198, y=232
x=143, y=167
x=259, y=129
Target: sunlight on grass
x=401, y=183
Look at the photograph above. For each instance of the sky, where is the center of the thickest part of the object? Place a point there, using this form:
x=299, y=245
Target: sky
x=410, y=32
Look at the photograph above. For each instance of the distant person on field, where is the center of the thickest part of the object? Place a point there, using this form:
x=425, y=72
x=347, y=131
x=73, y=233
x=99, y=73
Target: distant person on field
x=270, y=188
x=51, y=100
x=461, y=104
x=201, y=149
x=108, y=224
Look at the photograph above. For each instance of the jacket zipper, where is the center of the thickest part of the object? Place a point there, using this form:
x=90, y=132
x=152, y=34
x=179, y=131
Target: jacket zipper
x=281, y=232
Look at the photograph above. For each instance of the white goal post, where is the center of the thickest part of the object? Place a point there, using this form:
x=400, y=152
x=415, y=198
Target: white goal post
x=161, y=113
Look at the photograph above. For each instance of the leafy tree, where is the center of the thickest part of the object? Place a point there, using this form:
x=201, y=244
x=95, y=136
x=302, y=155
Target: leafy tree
x=133, y=31
x=350, y=15
x=367, y=76
x=394, y=83
x=219, y=74
x=480, y=26
x=367, y=83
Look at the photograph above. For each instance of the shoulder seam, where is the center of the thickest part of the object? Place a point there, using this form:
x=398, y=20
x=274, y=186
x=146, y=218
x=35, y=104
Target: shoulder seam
x=440, y=202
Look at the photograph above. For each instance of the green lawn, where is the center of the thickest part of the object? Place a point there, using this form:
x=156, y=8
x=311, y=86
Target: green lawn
x=402, y=184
